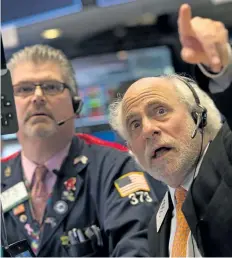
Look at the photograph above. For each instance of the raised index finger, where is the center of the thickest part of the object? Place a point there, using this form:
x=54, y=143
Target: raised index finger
x=184, y=20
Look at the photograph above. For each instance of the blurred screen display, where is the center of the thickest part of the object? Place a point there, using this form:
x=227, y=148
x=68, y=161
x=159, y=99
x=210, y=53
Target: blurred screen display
x=100, y=78
x=25, y=12
x=104, y=3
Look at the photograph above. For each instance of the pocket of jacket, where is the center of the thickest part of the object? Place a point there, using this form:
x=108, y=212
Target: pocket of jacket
x=87, y=248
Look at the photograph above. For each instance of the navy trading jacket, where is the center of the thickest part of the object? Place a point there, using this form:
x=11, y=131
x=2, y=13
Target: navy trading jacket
x=101, y=204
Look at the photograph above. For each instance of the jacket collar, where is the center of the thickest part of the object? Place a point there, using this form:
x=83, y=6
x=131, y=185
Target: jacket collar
x=160, y=227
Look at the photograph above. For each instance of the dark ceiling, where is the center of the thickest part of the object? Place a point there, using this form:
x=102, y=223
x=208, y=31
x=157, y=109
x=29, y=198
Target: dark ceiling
x=92, y=23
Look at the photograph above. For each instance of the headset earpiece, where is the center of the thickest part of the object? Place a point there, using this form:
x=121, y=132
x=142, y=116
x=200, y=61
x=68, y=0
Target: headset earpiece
x=77, y=104
x=200, y=117
x=199, y=114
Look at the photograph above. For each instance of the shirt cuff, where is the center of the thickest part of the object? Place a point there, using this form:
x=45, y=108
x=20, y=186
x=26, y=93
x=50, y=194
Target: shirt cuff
x=213, y=75
x=222, y=80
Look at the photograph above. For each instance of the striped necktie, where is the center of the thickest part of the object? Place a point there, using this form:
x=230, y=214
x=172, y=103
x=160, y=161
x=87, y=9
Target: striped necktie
x=179, y=246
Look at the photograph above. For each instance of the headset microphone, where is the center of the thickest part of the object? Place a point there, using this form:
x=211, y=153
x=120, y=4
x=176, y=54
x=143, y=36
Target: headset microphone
x=77, y=106
x=65, y=120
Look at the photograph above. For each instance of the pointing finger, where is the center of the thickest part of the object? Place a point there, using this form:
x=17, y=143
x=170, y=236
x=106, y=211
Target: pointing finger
x=184, y=20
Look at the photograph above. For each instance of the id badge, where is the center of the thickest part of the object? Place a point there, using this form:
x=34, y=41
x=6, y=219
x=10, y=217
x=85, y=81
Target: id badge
x=14, y=196
x=20, y=249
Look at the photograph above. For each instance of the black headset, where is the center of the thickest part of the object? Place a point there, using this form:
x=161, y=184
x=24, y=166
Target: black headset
x=199, y=114
x=77, y=104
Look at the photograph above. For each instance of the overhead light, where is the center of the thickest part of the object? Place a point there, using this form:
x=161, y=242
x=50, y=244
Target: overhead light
x=51, y=33
x=122, y=55
x=216, y=2
x=144, y=19
x=148, y=19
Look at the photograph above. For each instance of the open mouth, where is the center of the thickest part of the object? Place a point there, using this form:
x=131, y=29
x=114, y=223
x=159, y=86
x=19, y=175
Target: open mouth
x=160, y=152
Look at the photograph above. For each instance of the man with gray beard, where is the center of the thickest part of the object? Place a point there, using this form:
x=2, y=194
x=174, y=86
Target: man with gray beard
x=175, y=132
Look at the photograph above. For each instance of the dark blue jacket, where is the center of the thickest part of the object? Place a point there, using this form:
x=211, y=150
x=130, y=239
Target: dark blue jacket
x=123, y=221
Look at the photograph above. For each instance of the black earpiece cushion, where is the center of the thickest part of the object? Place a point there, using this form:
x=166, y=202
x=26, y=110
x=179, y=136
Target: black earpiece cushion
x=202, y=116
x=77, y=104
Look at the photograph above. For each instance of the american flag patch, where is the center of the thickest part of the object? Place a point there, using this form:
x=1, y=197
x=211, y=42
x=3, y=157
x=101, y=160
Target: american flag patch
x=130, y=183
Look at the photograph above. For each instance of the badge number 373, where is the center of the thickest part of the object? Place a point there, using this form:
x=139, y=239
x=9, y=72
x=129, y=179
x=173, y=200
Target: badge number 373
x=139, y=197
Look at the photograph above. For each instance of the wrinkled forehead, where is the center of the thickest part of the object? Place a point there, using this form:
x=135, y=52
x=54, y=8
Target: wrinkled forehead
x=149, y=90
x=29, y=71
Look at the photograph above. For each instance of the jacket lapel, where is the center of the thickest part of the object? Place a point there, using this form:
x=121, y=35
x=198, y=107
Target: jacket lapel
x=65, y=193
x=199, y=198
x=159, y=229
x=196, y=195
x=165, y=229
x=13, y=174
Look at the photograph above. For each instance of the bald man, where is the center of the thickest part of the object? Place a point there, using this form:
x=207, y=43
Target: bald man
x=183, y=144
x=175, y=132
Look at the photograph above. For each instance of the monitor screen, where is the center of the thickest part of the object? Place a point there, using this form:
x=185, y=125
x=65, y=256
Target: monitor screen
x=101, y=77
x=106, y=3
x=29, y=12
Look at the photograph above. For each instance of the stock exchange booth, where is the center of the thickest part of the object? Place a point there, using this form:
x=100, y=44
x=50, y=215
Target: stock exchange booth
x=109, y=43
x=100, y=79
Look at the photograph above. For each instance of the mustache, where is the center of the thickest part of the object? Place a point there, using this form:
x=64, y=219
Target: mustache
x=32, y=113
x=154, y=144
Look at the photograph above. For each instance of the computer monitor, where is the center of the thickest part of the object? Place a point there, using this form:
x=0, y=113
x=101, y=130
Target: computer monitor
x=103, y=77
